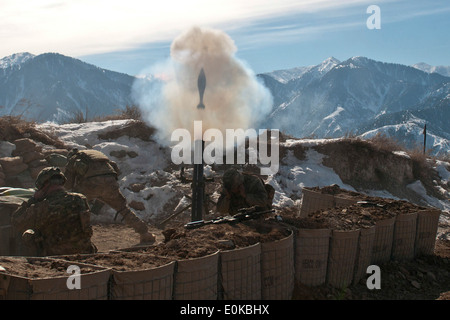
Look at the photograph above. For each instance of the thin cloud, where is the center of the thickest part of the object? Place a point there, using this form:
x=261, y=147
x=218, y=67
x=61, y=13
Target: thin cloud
x=293, y=33
x=84, y=27
x=417, y=12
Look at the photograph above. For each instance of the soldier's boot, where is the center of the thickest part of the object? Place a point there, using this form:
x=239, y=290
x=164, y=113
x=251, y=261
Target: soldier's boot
x=138, y=225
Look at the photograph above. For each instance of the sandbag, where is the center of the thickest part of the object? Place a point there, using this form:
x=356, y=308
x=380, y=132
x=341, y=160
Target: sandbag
x=25, y=145
x=31, y=156
x=13, y=165
x=56, y=160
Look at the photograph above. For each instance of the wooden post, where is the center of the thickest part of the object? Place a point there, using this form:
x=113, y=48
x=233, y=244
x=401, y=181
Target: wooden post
x=424, y=137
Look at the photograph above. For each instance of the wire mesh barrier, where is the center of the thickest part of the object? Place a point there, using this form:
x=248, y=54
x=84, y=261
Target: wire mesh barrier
x=382, y=246
x=313, y=201
x=266, y=270
x=342, y=257
x=311, y=256
x=364, y=252
x=277, y=269
x=196, y=279
x=404, y=236
x=150, y=284
x=241, y=273
x=94, y=281
x=427, y=226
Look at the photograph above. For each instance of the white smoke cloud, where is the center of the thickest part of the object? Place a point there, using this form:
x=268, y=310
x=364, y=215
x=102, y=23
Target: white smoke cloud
x=234, y=98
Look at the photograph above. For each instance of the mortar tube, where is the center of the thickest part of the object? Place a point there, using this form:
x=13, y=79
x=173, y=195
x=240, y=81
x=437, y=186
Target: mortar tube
x=198, y=186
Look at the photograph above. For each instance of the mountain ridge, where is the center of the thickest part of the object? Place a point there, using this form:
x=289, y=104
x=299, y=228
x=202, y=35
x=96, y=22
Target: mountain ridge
x=330, y=99
x=351, y=95
x=54, y=87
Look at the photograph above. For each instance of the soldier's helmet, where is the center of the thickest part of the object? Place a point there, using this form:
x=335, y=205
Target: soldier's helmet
x=232, y=178
x=46, y=174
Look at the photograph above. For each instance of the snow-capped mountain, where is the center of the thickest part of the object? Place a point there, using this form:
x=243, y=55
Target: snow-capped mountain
x=54, y=87
x=359, y=95
x=443, y=70
x=316, y=71
x=15, y=60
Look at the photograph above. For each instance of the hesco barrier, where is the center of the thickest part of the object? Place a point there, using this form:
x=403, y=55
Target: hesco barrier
x=93, y=286
x=342, y=257
x=241, y=273
x=151, y=284
x=364, y=252
x=142, y=282
x=262, y=271
x=343, y=202
x=311, y=256
x=277, y=269
x=404, y=236
x=313, y=201
x=196, y=279
x=382, y=245
x=427, y=226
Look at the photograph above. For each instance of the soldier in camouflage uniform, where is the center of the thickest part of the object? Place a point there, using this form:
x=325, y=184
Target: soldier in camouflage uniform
x=54, y=221
x=93, y=174
x=242, y=190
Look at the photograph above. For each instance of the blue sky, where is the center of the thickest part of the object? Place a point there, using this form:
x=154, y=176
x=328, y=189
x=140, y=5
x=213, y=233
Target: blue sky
x=131, y=36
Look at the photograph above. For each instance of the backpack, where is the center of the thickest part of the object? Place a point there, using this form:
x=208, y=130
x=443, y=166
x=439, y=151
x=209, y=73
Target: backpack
x=269, y=189
x=85, y=158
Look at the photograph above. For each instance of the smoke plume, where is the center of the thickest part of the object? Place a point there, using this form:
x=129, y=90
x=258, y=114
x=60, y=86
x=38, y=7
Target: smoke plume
x=234, y=98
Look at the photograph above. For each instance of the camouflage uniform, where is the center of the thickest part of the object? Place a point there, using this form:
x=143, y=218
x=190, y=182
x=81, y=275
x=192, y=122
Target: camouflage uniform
x=58, y=223
x=91, y=173
x=256, y=193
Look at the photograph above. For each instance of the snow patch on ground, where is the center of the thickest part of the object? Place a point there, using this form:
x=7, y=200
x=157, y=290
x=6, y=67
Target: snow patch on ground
x=149, y=167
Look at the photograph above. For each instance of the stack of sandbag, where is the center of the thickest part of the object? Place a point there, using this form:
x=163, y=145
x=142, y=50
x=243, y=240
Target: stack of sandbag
x=23, y=159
